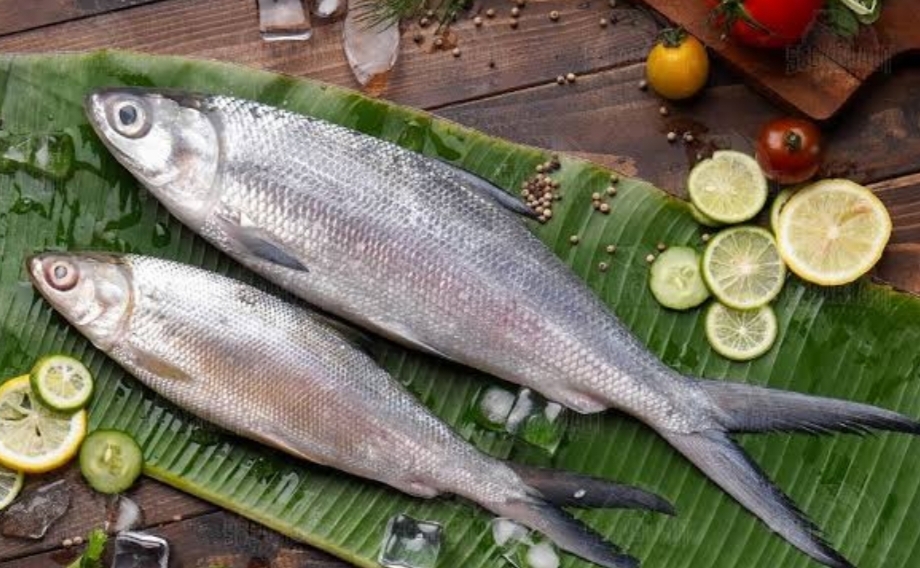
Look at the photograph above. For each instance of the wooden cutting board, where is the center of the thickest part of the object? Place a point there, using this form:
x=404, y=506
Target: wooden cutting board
x=819, y=77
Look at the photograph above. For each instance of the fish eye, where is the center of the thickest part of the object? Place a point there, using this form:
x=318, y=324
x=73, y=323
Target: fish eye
x=62, y=275
x=129, y=118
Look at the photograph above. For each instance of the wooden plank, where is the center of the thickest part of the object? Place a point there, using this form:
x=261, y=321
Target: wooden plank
x=18, y=15
x=159, y=503
x=606, y=118
x=495, y=58
x=216, y=539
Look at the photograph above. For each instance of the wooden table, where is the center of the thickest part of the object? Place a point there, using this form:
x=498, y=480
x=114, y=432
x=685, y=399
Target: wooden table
x=503, y=83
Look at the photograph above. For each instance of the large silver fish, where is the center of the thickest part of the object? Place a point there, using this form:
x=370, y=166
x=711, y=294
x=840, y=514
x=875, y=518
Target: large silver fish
x=281, y=375
x=425, y=254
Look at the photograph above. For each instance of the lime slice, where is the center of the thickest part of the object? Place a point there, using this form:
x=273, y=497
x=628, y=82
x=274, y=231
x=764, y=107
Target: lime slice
x=729, y=187
x=10, y=485
x=743, y=268
x=110, y=461
x=778, y=204
x=740, y=335
x=34, y=438
x=833, y=232
x=676, y=281
x=62, y=383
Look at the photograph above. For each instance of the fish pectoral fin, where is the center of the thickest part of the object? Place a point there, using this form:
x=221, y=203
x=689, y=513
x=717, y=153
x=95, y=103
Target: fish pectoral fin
x=161, y=367
x=258, y=243
x=489, y=190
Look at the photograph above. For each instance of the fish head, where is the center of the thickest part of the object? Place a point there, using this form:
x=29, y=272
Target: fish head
x=167, y=140
x=92, y=291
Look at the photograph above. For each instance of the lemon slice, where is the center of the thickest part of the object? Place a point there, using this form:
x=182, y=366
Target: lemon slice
x=740, y=335
x=34, y=438
x=10, y=485
x=728, y=188
x=833, y=232
x=743, y=268
x=62, y=383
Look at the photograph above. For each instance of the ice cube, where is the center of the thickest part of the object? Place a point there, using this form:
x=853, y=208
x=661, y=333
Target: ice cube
x=409, y=543
x=140, y=550
x=36, y=511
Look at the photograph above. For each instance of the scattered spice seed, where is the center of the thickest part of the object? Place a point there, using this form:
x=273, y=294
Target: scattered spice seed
x=595, y=196
x=574, y=239
x=661, y=247
x=513, y=24
x=424, y=22
x=604, y=208
x=67, y=543
x=177, y=518
x=706, y=237
x=570, y=77
x=663, y=111
x=650, y=258
x=643, y=85
x=548, y=213
x=603, y=22
x=611, y=191
x=603, y=266
x=456, y=52
x=539, y=168
x=688, y=137
x=596, y=204
x=490, y=13
x=515, y=12
x=611, y=249
x=430, y=13
x=438, y=42
x=554, y=15
x=672, y=136
x=614, y=178
x=77, y=540
x=477, y=21
x=560, y=80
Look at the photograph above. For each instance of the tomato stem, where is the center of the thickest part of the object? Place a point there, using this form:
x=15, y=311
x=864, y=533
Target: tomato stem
x=792, y=140
x=672, y=37
x=728, y=12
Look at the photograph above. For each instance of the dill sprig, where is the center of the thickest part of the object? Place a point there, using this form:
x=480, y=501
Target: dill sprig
x=385, y=13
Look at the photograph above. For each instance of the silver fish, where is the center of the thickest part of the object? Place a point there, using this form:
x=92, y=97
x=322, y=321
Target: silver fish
x=425, y=254
x=283, y=376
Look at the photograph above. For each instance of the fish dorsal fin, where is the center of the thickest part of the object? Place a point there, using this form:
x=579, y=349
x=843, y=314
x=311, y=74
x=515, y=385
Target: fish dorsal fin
x=489, y=190
x=258, y=243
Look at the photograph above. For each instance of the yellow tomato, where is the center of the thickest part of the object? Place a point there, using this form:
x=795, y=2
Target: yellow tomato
x=678, y=66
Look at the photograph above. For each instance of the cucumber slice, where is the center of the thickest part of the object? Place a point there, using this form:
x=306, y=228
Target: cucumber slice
x=110, y=461
x=61, y=383
x=676, y=281
x=740, y=335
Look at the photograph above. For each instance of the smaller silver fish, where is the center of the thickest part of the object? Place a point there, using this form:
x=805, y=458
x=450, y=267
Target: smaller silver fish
x=283, y=376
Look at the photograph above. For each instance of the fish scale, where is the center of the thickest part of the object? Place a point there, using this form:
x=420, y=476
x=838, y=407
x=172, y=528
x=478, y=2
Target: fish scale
x=391, y=240
x=517, y=313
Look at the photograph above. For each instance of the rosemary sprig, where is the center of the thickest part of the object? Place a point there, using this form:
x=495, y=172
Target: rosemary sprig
x=385, y=13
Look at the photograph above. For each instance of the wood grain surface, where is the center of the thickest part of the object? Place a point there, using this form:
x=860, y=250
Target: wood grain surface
x=503, y=83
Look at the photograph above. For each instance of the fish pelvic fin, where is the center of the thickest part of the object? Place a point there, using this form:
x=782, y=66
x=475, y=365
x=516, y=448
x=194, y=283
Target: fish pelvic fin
x=722, y=460
x=567, y=489
x=490, y=191
x=255, y=242
x=747, y=408
x=567, y=532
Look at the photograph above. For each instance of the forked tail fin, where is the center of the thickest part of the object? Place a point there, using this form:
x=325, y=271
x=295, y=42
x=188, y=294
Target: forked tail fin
x=566, y=531
x=745, y=408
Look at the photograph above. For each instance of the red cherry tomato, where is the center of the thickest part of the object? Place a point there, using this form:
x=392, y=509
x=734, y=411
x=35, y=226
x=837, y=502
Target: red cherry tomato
x=766, y=23
x=789, y=150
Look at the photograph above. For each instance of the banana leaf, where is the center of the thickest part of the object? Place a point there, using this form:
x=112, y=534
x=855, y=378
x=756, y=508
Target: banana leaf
x=59, y=189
